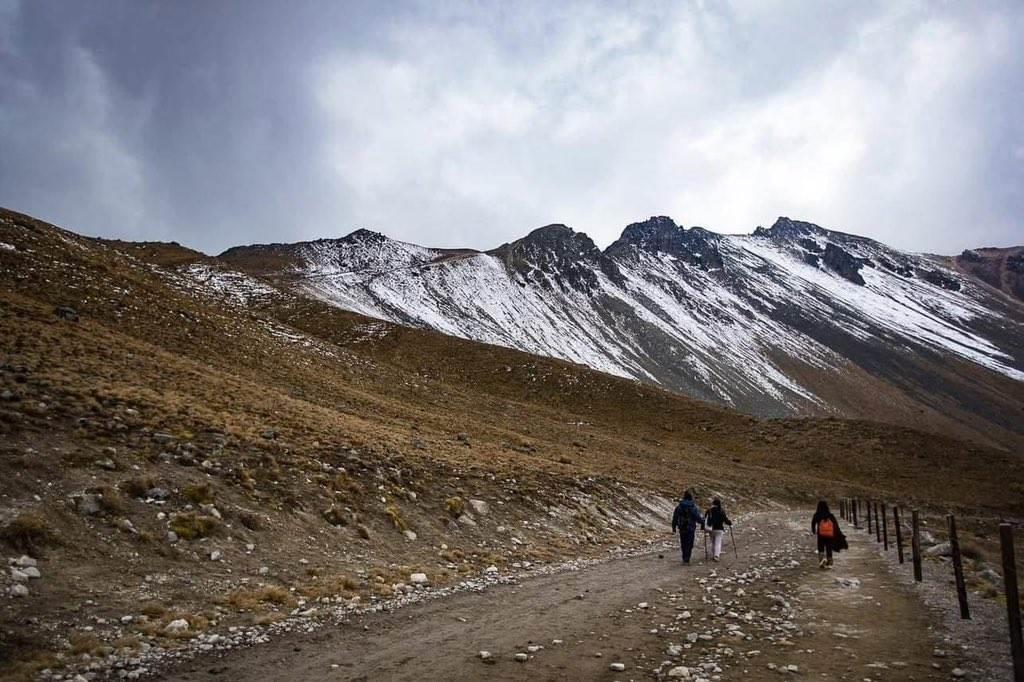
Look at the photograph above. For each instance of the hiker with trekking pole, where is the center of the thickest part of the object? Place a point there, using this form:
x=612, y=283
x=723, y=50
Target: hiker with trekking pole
x=686, y=518
x=831, y=540
x=715, y=521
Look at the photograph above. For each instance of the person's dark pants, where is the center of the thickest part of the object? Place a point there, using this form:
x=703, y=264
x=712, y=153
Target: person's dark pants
x=686, y=538
x=825, y=545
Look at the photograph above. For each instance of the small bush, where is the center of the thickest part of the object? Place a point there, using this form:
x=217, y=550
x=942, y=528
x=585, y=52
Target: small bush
x=395, y=516
x=335, y=516
x=27, y=533
x=198, y=494
x=138, y=487
x=153, y=609
x=84, y=643
x=268, y=594
x=194, y=526
x=969, y=550
x=250, y=520
x=111, y=501
x=456, y=506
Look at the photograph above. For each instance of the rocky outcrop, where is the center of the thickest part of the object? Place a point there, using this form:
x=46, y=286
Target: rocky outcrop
x=843, y=263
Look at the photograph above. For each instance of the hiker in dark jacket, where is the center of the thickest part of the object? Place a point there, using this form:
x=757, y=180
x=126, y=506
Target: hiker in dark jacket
x=685, y=518
x=715, y=521
x=826, y=528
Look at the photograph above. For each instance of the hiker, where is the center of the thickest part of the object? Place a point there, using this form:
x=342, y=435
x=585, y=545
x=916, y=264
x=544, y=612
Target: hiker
x=715, y=522
x=685, y=519
x=826, y=528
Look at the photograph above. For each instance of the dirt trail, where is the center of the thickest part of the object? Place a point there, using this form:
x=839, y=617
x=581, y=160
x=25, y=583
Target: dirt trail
x=744, y=618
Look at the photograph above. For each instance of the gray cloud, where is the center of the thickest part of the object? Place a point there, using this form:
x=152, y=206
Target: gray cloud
x=468, y=124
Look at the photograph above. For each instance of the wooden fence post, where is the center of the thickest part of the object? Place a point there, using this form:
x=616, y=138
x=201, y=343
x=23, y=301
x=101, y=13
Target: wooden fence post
x=899, y=532
x=885, y=528
x=855, y=505
x=868, y=505
x=958, y=569
x=915, y=544
x=1012, y=600
x=842, y=509
x=878, y=525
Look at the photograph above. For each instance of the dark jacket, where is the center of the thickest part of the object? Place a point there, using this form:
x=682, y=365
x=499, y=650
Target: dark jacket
x=686, y=516
x=839, y=542
x=716, y=519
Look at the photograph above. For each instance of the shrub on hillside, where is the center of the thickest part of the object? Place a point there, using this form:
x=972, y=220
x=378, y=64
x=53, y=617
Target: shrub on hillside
x=193, y=526
x=27, y=533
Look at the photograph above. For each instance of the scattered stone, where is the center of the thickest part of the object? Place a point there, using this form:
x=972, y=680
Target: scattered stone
x=19, y=590
x=418, y=578
x=679, y=672
x=162, y=438
x=617, y=667
x=941, y=549
x=486, y=656
x=410, y=535
x=159, y=494
x=18, y=576
x=25, y=560
x=172, y=537
x=216, y=555
x=479, y=507
x=959, y=672
x=491, y=570
x=32, y=572
x=177, y=626
x=521, y=658
x=66, y=313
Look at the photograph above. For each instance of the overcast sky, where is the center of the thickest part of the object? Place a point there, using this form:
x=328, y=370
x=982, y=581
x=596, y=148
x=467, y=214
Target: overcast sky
x=471, y=123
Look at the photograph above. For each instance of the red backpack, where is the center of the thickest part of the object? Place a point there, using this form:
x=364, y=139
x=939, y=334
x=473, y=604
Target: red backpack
x=826, y=529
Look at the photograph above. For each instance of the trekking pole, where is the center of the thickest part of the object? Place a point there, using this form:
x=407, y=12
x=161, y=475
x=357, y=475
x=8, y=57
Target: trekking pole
x=733, y=538
x=705, y=546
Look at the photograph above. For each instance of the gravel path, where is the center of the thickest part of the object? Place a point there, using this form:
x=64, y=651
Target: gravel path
x=769, y=613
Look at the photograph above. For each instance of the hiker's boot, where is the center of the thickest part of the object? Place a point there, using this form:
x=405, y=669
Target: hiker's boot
x=822, y=561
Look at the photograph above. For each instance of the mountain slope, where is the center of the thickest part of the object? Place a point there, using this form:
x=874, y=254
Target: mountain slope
x=181, y=441
x=791, y=320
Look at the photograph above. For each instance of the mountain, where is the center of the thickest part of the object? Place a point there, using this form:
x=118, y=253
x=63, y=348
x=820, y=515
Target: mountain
x=794, y=319
x=182, y=442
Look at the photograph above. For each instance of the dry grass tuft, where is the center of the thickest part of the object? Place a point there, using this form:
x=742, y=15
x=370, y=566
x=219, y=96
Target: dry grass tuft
x=27, y=533
x=201, y=493
x=456, y=506
x=395, y=516
x=336, y=516
x=193, y=526
x=85, y=643
x=251, y=599
x=111, y=501
x=139, y=486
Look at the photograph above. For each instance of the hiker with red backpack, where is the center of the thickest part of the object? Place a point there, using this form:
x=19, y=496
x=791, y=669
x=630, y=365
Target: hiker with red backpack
x=830, y=539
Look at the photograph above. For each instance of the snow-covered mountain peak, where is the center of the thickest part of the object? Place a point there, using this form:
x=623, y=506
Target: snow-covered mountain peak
x=554, y=256
x=661, y=235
